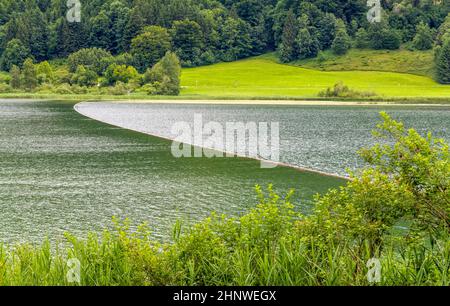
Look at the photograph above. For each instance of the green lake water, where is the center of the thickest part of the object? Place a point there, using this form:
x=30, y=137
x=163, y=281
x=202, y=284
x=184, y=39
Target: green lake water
x=60, y=171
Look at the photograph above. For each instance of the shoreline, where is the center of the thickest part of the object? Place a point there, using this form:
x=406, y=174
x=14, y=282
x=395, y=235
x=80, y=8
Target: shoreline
x=273, y=102
x=269, y=101
x=278, y=164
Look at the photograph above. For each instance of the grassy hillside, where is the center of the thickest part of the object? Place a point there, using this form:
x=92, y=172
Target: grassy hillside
x=404, y=61
x=263, y=76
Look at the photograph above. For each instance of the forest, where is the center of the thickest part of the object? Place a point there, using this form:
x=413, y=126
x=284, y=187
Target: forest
x=117, y=40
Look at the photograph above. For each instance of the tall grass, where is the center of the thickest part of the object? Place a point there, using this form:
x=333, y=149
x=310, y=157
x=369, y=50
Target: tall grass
x=263, y=247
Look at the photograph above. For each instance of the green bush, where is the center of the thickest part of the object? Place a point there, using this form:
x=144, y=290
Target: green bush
x=340, y=90
x=5, y=88
x=84, y=77
x=164, y=77
x=63, y=89
x=120, y=73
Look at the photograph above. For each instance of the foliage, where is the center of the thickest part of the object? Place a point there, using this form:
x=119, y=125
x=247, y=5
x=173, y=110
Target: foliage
x=29, y=75
x=149, y=47
x=420, y=166
x=405, y=180
x=15, y=81
x=165, y=76
x=424, y=37
x=288, y=43
x=93, y=58
x=15, y=53
x=340, y=90
x=362, y=39
x=44, y=72
x=443, y=63
x=229, y=30
x=342, y=42
x=187, y=41
x=382, y=37
x=120, y=73
x=84, y=77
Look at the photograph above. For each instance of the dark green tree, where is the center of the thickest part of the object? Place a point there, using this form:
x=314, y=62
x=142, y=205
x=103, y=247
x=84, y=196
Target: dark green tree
x=134, y=25
x=307, y=42
x=84, y=77
x=327, y=30
x=101, y=33
x=288, y=47
x=91, y=58
x=235, y=39
x=165, y=76
x=424, y=37
x=443, y=63
x=381, y=36
x=15, y=54
x=187, y=41
x=362, y=39
x=342, y=42
x=148, y=48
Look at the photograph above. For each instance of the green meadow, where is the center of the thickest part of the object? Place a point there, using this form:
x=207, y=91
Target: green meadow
x=263, y=76
x=402, y=61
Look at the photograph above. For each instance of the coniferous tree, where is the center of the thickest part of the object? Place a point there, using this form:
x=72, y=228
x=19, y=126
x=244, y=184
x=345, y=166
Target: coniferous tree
x=132, y=28
x=288, y=47
x=307, y=43
x=342, y=42
x=187, y=41
x=327, y=30
x=443, y=63
x=362, y=39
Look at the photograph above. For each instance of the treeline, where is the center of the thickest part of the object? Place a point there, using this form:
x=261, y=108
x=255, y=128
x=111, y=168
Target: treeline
x=203, y=32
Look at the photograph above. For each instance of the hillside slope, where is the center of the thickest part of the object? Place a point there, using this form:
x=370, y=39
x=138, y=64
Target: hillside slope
x=403, y=61
x=263, y=77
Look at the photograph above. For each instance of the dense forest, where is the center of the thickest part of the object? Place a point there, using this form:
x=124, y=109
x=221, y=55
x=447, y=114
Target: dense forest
x=138, y=33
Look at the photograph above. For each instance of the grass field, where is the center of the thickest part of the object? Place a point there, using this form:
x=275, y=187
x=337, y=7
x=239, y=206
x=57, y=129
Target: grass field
x=263, y=77
x=398, y=76
x=403, y=61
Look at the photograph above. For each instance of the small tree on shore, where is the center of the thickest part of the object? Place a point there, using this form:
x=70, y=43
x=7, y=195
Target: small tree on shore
x=164, y=77
x=29, y=76
x=15, y=77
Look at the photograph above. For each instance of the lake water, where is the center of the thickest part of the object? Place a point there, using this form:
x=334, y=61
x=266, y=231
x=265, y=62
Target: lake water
x=61, y=171
x=315, y=137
